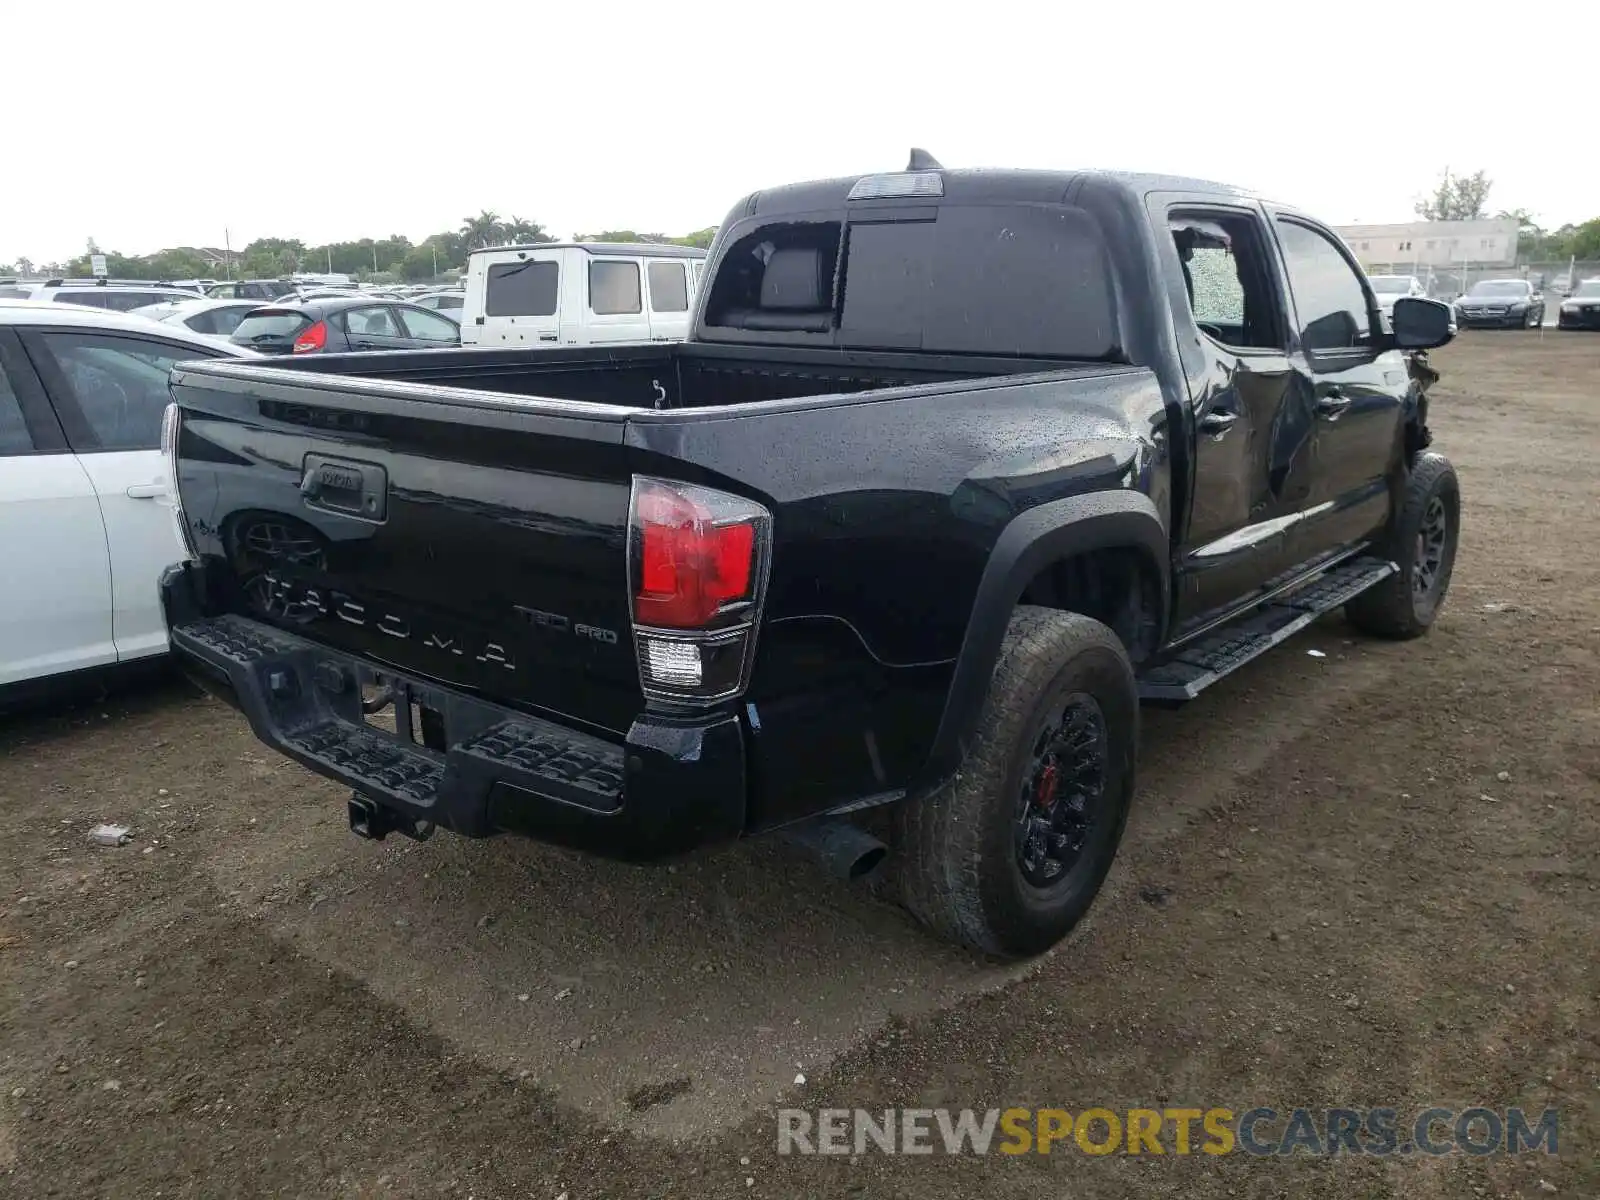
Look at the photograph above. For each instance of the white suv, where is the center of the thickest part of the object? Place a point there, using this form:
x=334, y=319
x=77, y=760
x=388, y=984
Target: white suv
x=117, y=296
x=579, y=293
x=84, y=519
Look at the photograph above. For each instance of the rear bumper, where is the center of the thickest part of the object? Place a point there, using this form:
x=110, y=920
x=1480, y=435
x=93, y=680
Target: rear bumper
x=669, y=787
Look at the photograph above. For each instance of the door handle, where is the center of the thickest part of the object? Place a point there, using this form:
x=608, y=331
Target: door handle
x=147, y=491
x=1332, y=404
x=1217, y=423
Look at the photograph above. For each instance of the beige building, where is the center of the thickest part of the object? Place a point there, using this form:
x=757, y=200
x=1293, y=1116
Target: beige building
x=1437, y=244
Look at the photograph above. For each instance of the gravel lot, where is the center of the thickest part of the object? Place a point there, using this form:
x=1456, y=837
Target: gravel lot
x=248, y=1001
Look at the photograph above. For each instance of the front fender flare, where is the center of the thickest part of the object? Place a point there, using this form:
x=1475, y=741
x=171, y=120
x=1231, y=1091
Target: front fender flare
x=1030, y=542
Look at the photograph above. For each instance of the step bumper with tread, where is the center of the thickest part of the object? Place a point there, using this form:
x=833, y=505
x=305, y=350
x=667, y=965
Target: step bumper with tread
x=434, y=754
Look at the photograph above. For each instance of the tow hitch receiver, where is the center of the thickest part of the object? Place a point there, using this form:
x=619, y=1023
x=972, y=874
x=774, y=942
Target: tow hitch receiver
x=373, y=821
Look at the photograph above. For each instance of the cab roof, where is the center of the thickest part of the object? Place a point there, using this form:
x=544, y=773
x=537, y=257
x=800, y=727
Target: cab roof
x=985, y=185
x=629, y=249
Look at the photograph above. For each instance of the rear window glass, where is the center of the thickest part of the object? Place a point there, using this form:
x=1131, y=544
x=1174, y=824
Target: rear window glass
x=981, y=279
x=219, y=320
x=669, y=287
x=128, y=301
x=614, y=288
x=14, y=437
x=270, y=325
x=524, y=289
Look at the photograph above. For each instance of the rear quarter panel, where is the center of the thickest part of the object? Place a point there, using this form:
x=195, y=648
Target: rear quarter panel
x=886, y=512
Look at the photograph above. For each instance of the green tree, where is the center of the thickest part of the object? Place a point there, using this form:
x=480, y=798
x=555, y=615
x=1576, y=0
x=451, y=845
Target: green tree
x=24, y=266
x=118, y=266
x=176, y=264
x=1530, y=237
x=625, y=235
x=518, y=231
x=1586, y=239
x=393, y=249
x=1457, y=198
x=418, y=264
x=451, y=247
x=484, y=229
x=700, y=237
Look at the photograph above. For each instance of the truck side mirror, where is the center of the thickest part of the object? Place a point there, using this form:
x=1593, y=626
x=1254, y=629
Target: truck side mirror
x=1420, y=324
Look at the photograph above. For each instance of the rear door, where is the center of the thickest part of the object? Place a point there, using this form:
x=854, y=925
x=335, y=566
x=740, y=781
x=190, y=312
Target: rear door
x=55, y=607
x=614, y=300
x=669, y=295
x=110, y=391
x=514, y=300
x=428, y=330
x=1357, y=387
x=1254, y=428
x=373, y=327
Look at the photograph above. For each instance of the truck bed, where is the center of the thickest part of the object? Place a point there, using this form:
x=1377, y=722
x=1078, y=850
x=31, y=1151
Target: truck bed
x=660, y=377
x=493, y=557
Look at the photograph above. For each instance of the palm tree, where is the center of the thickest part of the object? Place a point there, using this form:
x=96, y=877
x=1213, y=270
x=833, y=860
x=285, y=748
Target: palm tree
x=520, y=231
x=482, y=230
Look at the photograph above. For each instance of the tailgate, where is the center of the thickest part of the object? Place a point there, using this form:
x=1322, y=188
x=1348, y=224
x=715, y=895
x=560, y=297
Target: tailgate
x=476, y=540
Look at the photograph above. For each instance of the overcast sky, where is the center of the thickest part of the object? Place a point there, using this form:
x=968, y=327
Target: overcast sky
x=328, y=120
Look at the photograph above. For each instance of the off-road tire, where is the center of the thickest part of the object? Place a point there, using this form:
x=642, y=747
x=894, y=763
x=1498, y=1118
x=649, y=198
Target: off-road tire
x=959, y=869
x=1394, y=608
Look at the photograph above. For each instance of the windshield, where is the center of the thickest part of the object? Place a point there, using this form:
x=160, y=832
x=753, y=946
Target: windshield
x=269, y=327
x=1499, y=287
x=1589, y=289
x=1391, y=283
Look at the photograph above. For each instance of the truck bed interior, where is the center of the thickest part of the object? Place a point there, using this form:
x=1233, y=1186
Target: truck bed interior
x=669, y=376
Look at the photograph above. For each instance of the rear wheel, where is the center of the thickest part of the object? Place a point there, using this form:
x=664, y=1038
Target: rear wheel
x=1422, y=543
x=1008, y=855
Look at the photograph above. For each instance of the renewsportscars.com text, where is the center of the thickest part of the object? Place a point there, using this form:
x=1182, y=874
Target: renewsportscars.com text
x=1257, y=1131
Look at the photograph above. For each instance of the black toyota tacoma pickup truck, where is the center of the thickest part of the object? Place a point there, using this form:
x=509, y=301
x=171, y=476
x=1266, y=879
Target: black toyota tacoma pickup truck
x=956, y=469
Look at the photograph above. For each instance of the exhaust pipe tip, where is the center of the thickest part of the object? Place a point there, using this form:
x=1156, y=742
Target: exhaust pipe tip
x=843, y=850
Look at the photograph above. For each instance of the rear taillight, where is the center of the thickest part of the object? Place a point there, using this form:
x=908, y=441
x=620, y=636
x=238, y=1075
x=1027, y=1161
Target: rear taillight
x=312, y=339
x=170, y=422
x=697, y=566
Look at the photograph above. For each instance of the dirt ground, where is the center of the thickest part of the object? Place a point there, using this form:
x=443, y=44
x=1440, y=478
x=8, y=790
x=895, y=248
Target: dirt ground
x=1355, y=880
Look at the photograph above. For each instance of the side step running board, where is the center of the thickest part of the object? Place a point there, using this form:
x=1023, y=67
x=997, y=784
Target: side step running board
x=1196, y=667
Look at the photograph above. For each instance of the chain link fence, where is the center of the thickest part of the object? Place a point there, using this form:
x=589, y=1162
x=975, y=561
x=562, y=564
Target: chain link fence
x=1446, y=283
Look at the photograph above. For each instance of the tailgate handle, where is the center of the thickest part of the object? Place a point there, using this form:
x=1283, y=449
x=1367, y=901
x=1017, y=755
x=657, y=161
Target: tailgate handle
x=350, y=489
